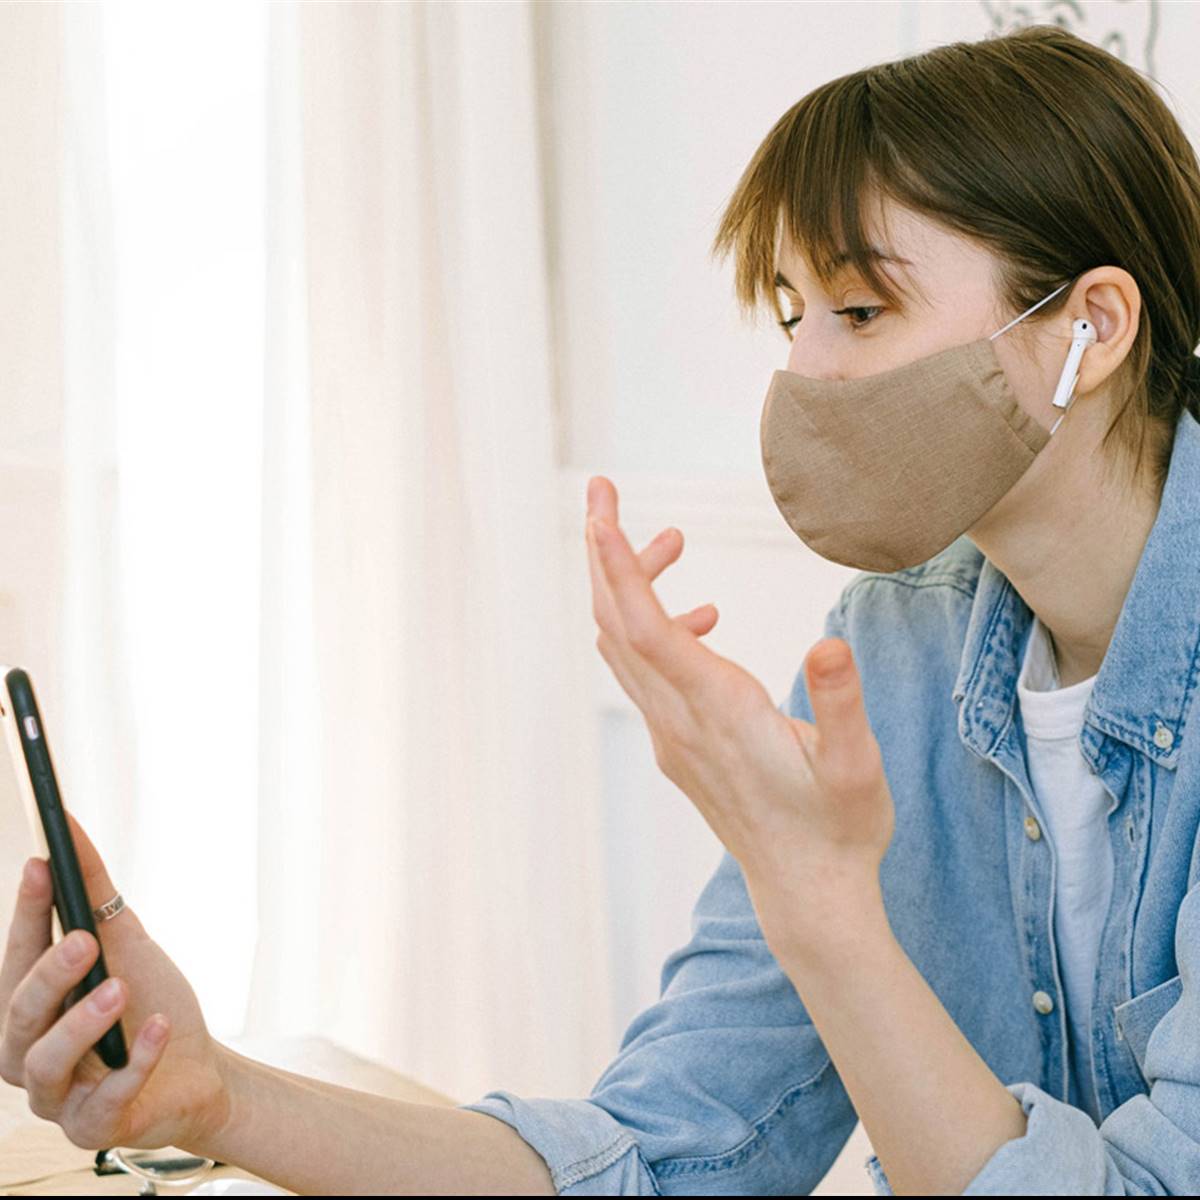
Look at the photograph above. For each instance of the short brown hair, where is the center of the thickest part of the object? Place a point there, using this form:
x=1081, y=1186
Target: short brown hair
x=1051, y=152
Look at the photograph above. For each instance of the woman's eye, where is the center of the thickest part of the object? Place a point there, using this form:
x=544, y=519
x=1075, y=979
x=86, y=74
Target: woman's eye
x=855, y=314
x=860, y=316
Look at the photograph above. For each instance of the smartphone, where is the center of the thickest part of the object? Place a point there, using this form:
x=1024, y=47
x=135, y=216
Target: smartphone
x=32, y=773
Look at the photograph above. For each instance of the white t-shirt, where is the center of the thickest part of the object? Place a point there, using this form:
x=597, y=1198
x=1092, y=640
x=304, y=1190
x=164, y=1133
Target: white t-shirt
x=1074, y=805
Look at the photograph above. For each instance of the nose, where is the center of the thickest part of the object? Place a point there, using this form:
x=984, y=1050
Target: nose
x=815, y=358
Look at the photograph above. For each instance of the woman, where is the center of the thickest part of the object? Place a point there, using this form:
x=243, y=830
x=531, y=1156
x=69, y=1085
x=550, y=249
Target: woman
x=960, y=896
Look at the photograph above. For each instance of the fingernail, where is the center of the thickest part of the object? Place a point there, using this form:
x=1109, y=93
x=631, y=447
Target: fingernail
x=106, y=996
x=73, y=949
x=156, y=1031
x=27, y=875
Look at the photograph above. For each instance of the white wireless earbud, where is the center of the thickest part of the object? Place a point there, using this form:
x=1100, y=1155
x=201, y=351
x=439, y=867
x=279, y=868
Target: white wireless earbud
x=1083, y=335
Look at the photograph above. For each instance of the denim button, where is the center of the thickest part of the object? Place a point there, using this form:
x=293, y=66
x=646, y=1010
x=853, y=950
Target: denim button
x=1164, y=739
x=1043, y=1002
x=1032, y=829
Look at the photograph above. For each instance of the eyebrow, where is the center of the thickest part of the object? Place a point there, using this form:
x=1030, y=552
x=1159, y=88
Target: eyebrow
x=840, y=260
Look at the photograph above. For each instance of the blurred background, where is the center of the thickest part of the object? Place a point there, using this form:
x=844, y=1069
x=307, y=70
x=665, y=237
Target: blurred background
x=314, y=322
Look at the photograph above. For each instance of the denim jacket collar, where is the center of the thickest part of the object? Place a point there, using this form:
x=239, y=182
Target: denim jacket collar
x=1149, y=674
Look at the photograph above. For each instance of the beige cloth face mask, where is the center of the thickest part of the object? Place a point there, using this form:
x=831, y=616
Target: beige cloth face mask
x=884, y=472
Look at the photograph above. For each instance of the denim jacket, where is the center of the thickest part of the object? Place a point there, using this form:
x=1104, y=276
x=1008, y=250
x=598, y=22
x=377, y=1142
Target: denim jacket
x=722, y=1086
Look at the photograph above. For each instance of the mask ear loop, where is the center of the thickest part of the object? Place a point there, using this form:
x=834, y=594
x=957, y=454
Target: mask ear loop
x=1083, y=335
x=1043, y=300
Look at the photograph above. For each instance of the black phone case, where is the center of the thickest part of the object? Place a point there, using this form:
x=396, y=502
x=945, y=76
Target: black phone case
x=70, y=895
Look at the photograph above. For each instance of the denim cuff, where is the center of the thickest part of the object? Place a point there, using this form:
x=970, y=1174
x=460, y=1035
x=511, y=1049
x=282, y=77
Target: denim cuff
x=1061, y=1147
x=588, y=1152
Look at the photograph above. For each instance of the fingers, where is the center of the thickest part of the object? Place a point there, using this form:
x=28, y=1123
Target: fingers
x=664, y=549
x=99, y=1117
x=846, y=740
x=658, y=554
x=29, y=933
x=100, y=888
x=604, y=612
x=700, y=620
x=633, y=675
x=602, y=499
x=650, y=633
x=661, y=552
x=51, y=1061
x=40, y=1046
x=38, y=999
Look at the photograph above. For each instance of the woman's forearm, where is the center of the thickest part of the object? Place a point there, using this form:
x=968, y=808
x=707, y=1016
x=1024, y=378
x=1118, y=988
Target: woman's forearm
x=317, y=1138
x=933, y=1109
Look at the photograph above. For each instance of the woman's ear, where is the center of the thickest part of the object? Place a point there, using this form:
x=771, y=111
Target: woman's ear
x=1110, y=299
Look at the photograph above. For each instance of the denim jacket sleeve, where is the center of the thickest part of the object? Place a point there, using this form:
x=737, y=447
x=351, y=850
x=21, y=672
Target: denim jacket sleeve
x=1148, y=1146
x=720, y=1087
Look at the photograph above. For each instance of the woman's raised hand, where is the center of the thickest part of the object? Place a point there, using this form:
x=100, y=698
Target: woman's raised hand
x=171, y=1092
x=804, y=806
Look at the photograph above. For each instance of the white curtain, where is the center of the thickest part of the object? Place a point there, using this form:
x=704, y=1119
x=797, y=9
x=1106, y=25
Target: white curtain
x=428, y=885
x=31, y=378
x=97, y=706
x=430, y=879
x=60, y=614
x=161, y=260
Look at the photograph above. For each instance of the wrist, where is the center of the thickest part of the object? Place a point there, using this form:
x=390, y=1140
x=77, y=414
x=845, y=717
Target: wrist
x=227, y=1112
x=830, y=915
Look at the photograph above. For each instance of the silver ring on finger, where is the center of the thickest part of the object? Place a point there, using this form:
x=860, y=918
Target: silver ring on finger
x=107, y=911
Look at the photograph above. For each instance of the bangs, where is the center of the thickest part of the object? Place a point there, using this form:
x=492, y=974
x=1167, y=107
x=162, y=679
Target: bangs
x=813, y=181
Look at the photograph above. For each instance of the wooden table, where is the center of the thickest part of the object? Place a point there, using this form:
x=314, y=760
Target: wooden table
x=37, y=1159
